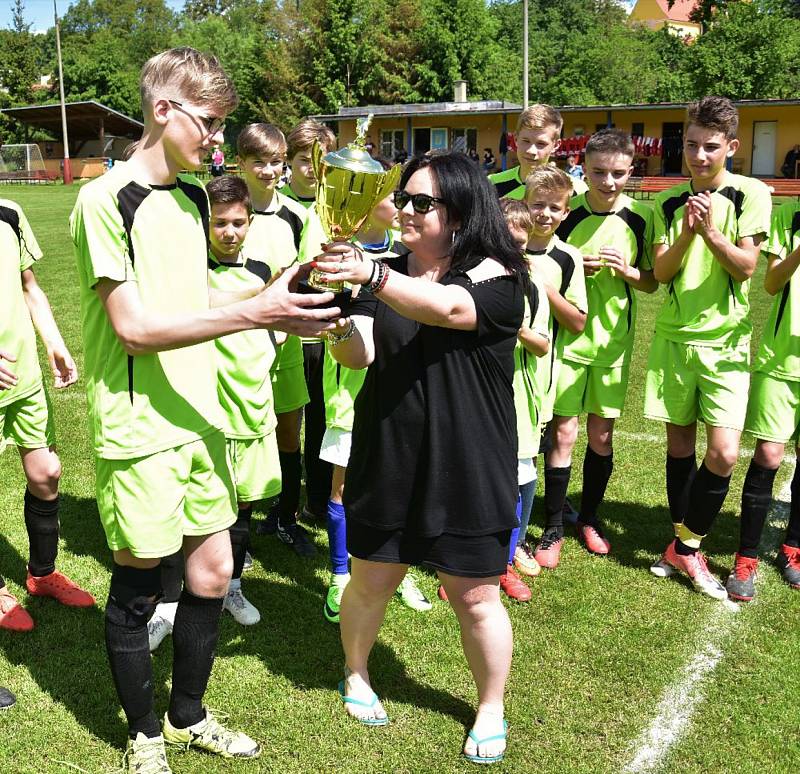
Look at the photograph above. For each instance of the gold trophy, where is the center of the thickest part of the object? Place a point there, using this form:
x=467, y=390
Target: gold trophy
x=349, y=185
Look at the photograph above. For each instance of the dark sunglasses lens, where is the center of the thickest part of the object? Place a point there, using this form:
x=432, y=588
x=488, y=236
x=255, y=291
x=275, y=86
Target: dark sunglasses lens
x=421, y=203
x=400, y=199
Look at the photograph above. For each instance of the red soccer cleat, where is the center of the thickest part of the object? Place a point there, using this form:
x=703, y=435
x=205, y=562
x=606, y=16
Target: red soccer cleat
x=59, y=587
x=696, y=568
x=513, y=585
x=593, y=538
x=548, y=550
x=13, y=616
x=442, y=594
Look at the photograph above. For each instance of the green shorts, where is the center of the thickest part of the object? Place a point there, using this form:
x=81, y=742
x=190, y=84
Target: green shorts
x=149, y=504
x=773, y=410
x=28, y=422
x=256, y=467
x=289, y=389
x=686, y=382
x=590, y=389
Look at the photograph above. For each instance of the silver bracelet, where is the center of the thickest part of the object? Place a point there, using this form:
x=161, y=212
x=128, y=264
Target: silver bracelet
x=338, y=338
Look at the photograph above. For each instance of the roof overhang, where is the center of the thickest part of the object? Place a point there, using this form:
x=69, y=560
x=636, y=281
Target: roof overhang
x=84, y=120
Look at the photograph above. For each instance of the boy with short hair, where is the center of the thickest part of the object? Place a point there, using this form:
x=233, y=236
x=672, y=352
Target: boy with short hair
x=26, y=416
x=708, y=233
x=773, y=410
x=614, y=233
x=548, y=191
x=274, y=239
x=538, y=136
x=163, y=481
x=530, y=356
x=302, y=188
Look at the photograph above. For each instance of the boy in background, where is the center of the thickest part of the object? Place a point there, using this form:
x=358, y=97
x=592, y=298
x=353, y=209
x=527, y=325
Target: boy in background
x=773, y=410
x=708, y=235
x=614, y=234
x=538, y=136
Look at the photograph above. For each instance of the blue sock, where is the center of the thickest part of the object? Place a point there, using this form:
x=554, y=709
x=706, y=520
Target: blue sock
x=512, y=544
x=337, y=538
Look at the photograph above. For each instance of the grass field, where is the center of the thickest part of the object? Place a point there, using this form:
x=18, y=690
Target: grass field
x=595, y=650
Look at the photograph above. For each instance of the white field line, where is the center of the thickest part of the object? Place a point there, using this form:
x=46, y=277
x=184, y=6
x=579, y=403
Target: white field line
x=681, y=699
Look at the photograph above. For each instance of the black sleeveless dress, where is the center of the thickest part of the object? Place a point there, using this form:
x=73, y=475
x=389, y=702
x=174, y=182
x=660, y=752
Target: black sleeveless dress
x=432, y=475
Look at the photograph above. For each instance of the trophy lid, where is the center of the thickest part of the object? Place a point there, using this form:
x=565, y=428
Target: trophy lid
x=354, y=156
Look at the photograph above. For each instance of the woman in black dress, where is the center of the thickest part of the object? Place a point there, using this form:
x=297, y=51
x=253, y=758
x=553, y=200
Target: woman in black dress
x=432, y=472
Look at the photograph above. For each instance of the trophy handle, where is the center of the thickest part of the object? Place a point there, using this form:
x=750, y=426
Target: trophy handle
x=390, y=180
x=316, y=159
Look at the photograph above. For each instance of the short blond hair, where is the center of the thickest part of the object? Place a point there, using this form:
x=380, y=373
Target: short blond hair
x=303, y=135
x=260, y=140
x=549, y=180
x=540, y=117
x=517, y=214
x=186, y=73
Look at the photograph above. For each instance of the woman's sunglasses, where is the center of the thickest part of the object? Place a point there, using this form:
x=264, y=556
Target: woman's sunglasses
x=422, y=203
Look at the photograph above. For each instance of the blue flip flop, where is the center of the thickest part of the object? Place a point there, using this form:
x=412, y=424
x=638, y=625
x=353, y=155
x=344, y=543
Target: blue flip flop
x=364, y=721
x=479, y=742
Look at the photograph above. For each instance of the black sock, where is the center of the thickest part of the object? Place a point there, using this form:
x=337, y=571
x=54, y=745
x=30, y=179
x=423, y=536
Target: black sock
x=793, y=530
x=756, y=499
x=680, y=475
x=131, y=601
x=171, y=577
x=556, y=481
x=240, y=538
x=706, y=497
x=596, y=473
x=194, y=638
x=289, y=500
x=41, y=521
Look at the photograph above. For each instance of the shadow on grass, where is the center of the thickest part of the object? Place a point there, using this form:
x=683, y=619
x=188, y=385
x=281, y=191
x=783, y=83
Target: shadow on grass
x=81, y=529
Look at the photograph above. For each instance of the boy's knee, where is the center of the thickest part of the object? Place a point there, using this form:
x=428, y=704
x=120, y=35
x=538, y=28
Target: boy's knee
x=43, y=477
x=721, y=459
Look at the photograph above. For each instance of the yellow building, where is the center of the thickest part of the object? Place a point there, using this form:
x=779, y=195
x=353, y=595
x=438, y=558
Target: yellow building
x=768, y=129
x=656, y=14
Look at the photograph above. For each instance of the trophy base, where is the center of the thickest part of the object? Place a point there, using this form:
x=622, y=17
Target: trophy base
x=341, y=299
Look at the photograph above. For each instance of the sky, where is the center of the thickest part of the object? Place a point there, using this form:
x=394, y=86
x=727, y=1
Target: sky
x=39, y=13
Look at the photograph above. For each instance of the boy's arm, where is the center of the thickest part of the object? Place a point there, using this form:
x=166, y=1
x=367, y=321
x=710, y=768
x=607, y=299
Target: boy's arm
x=8, y=378
x=641, y=279
x=141, y=331
x=739, y=259
x=534, y=342
x=65, y=372
x=567, y=314
x=668, y=259
x=780, y=271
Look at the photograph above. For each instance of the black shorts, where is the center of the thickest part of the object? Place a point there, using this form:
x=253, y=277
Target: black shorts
x=464, y=556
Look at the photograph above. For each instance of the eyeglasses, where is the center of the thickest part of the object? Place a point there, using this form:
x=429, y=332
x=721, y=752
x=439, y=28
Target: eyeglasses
x=422, y=203
x=212, y=125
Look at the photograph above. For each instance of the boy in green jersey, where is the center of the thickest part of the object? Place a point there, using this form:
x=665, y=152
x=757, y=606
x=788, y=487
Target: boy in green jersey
x=302, y=188
x=530, y=355
x=26, y=415
x=274, y=237
x=538, y=136
x=615, y=235
x=773, y=409
x=561, y=267
x=163, y=481
x=708, y=233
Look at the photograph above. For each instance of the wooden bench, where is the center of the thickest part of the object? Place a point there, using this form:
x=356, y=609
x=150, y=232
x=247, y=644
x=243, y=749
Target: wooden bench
x=645, y=187
x=782, y=186
x=29, y=176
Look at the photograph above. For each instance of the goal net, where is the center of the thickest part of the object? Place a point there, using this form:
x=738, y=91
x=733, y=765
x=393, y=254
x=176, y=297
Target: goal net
x=25, y=157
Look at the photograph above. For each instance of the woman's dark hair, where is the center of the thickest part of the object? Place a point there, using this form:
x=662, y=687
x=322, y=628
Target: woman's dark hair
x=470, y=198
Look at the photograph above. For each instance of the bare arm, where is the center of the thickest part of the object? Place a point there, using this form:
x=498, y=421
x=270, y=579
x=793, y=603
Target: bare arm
x=534, y=342
x=667, y=260
x=640, y=279
x=142, y=332
x=567, y=314
x=780, y=271
x=65, y=372
x=359, y=350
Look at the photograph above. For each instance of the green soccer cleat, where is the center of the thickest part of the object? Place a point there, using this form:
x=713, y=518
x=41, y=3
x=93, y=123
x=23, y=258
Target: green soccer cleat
x=411, y=595
x=333, y=603
x=213, y=737
x=146, y=756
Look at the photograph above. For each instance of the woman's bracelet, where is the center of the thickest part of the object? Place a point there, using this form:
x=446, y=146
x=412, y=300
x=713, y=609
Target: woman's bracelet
x=338, y=338
x=378, y=278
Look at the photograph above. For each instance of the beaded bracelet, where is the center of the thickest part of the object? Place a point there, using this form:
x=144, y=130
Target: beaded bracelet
x=338, y=338
x=378, y=278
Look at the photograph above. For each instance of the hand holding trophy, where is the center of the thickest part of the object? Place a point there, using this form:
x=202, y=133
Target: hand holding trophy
x=349, y=185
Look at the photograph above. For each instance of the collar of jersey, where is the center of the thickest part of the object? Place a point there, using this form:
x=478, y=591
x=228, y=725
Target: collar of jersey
x=165, y=187
x=710, y=190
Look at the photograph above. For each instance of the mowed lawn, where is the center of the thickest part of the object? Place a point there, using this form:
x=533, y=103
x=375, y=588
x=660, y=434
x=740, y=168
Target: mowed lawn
x=595, y=649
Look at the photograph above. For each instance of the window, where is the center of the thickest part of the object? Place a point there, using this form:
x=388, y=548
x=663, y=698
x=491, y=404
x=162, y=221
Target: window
x=392, y=142
x=464, y=139
x=637, y=129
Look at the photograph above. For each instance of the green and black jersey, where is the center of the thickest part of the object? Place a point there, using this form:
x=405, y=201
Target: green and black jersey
x=607, y=339
x=18, y=252
x=274, y=239
x=306, y=201
x=779, y=353
x=127, y=230
x=705, y=305
x=341, y=385
x=244, y=359
x=509, y=185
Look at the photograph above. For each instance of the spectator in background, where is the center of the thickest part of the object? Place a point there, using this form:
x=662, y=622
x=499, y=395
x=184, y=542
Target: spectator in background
x=217, y=161
x=573, y=168
x=488, y=160
x=789, y=167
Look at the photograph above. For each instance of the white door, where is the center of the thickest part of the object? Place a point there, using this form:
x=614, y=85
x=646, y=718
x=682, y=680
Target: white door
x=764, y=133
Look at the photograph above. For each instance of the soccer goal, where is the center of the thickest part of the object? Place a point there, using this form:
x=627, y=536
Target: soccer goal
x=22, y=162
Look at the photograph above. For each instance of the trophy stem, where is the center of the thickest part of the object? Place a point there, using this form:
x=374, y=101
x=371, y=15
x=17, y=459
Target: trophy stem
x=315, y=280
